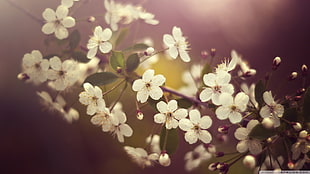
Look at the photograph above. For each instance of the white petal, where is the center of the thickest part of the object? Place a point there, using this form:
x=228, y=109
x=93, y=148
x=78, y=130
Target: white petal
x=251, y=125
x=267, y=96
x=92, y=52
x=194, y=116
x=180, y=113
x=223, y=77
x=173, y=52
x=241, y=133
x=162, y=107
x=91, y=109
x=172, y=105
x=226, y=99
x=241, y=99
x=106, y=34
x=254, y=147
x=205, y=136
x=228, y=89
x=142, y=96
x=68, y=22
x=49, y=15
x=105, y=47
x=216, y=98
x=242, y=146
x=264, y=111
x=168, y=40
x=172, y=124
x=62, y=12
x=61, y=32
x=126, y=130
x=205, y=94
x=184, y=56
x=235, y=117
x=185, y=124
x=156, y=93
x=159, y=118
x=148, y=75
x=96, y=120
x=209, y=79
x=138, y=85
x=222, y=112
x=177, y=33
x=205, y=122
x=67, y=3
x=120, y=137
x=48, y=28
x=158, y=80
x=191, y=137
x=55, y=63
x=279, y=110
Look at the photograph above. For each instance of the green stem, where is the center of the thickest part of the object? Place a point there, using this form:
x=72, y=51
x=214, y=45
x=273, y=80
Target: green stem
x=117, y=85
x=119, y=97
x=166, y=138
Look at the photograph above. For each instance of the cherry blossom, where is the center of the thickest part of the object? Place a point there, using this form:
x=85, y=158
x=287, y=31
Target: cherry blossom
x=92, y=97
x=141, y=157
x=100, y=40
x=196, y=157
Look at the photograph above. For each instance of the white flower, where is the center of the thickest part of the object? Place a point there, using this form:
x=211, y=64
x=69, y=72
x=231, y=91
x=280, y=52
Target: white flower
x=68, y=3
x=99, y=40
x=194, y=127
x=154, y=141
x=92, y=96
x=120, y=128
x=177, y=44
x=266, y=164
x=232, y=107
x=148, y=18
x=57, y=22
x=217, y=84
x=141, y=157
x=228, y=66
x=63, y=74
x=246, y=143
x=103, y=119
x=149, y=86
x=35, y=66
x=245, y=71
x=169, y=114
x=164, y=159
x=249, y=161
x=196, y=157
x=192, y=79
x=301, y=146
x=250, y=91
x=272, y=109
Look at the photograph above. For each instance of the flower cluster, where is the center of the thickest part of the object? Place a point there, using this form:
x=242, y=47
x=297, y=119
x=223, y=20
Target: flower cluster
x=271, y=132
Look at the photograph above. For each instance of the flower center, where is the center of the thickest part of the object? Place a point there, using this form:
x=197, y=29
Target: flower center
x=195, y=155
x=233, y=108
x=148, y=85
x=61, y=73
x=217, y=88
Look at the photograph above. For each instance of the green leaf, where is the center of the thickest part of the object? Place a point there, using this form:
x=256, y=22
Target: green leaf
x=137, y=47
x=117, y=60
x=259, y=91
x=80, y=56
x=74, y=39
x=184, y=103
x=261, y=133
x=101, y=78
x=306, y=106
x=132, y=62
x=122, y=35
x=50, y=56
x=172, y=140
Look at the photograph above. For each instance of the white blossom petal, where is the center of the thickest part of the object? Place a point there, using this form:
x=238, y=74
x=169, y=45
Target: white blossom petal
x=205, y=122
x=191, y=137
x=159, y=118
x=222, y=112
x=185, y=124
x=49, y=15
x=242, y=146
x=48, y=28
x=105, y=47
x=235, y=117
x=241, y=133
x=205, y=136
x=173, y=52
x=194, y=116
x=62, y=12
x=205, y=94
x=68, y=22
x=168, y=40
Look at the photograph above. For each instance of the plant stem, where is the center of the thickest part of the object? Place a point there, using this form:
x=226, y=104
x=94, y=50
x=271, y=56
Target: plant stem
x=117, y=85
x=166, y=137
x=119, y=97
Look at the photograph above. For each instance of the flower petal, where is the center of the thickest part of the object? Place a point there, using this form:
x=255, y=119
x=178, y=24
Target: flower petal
x=61, y=32
x=162, y=107
x=173, y=52
x=242, y=146
x=126, y=130
x=226, y=99
x=205, y=94
x=209, y=79
x=106, y=34
x=180, y=113
x=92, y=52
x=68, y=22
x=159, y=118
x=255, y=147
x=184, y=56
x=191, y=137
x=148, y=75
x=251, y=125
x=168, y=40
x=49, y=15
x=48, y=28
x=62, y=12
x=172, y=105
x=185, y=124
x=267, y=96
x=142, y=96
x=177, y=33
x=105, y=47
x=205, y=136
x=156, y=93
x=55, y=63
x=194, y=116
x=265, y=111
x=138, y=85
x=222, y=112
x=205, y=122
x=241, y=133
x=158, y=80
x=235, y=117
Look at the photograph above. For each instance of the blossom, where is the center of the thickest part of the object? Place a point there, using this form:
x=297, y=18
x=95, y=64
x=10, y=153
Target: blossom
x=119, y=127
x=228, y=66
x=177, y=44
x=196, y=157
x=169, y=114
x=35, y=66
x=217, y=85
x=141, y=157
x=92, y=96
x=57, y=22
x=271, y=109
x=250, y=91
x=153, y=141
x=68, y=3
x=148, y=17
x=149, y=86
x=99, y=40
x=103, y=119
x=194, y=127
x=247, y=143
x=232, y=107
x=270, y=160
x=63, y=74
x=192, y=79
x=245, y=70
x=301, y=146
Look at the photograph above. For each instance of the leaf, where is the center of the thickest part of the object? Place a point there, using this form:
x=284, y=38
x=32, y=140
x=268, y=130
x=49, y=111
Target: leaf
x=80, y=56
x=184, y=103
x=306, y=106
x=50, y=56
x=132, y=62
x=122, y=35
x=101, y=78
x=259, y=91
x=74, y=39
x=137, y=47
x=261, y=133
x=117, y=60
x=172, y=140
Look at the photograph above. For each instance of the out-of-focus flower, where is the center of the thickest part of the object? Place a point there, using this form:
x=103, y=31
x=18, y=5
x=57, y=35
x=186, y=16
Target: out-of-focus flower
x=232, y=107
x=196, y=157
x=250, y=91
x=192, y=79
x=169, y=114
x=217, y=85
x=228, y=66
x=245, y=71
x=247, y=143
x=103, y=119
x=68, y=3
x=177, y=44
x=141, y=157
x=302, y=146
x=195, y=127
x=149, y=86
x=35, y=66
x=271, y=109
x=100, y=40
x=120, y=128
x=154, y=141
x=63, y=74
x=57, y=22
x=92, y=96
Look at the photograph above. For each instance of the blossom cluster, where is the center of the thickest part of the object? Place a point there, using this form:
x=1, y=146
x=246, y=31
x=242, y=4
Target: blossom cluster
x=257, y=119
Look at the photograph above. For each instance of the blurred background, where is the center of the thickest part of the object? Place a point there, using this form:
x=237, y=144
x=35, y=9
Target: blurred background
x=35, y=141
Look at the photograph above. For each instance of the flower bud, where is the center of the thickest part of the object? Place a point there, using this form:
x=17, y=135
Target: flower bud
x=268, y=123
x=213, y=166
x=91, y=19
x=139, y=115
x=297, y=126
x=149, y=51
x=269, y=140
x=249, y=161
x=304, y=70
x=303, y=134
x=23, y=76
x=222, y=138
x=210, y=148
x=276, y=63
x=300, y=91
x=213, y=52
x=119, y=70
x=223, y=129
x=223, y=167
x=293, y=76
x=204, y=54
x=290, y=165
x=164, y=159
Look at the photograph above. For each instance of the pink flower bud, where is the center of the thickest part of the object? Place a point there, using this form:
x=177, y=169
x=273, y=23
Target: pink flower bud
x=249, y=161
